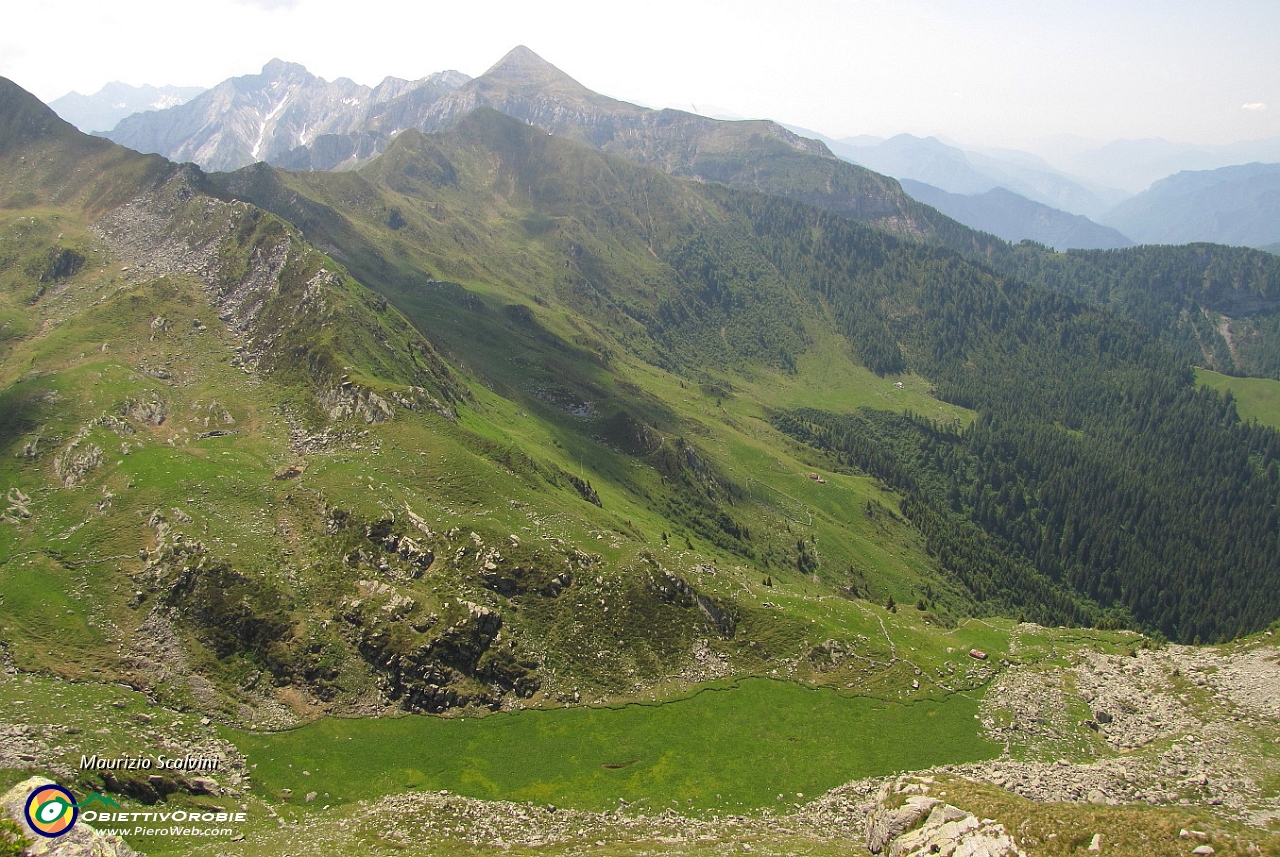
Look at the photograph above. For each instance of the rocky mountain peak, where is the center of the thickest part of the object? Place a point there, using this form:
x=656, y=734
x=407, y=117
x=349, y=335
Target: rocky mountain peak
x=451, y=78
x=278, y=69
x=523, y=67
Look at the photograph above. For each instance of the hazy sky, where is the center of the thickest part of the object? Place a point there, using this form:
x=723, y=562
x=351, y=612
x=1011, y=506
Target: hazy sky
x=979, y=71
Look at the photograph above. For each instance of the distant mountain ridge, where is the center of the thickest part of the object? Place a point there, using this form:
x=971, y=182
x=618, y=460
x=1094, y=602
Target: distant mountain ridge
x=264, y=116
x=1135, y=164
x=103, y=110
x=1015, y=218
x=289, y=118
x=1237, y=205
x=961, y=171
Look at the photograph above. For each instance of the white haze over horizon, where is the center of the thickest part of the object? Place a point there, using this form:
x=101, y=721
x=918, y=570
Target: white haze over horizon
x=988, y=72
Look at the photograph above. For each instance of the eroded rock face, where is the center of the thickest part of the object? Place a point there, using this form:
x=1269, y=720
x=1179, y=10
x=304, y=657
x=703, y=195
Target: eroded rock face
x=429, y=666
x=952, y=832
x=81, y=840
x=152, y=412
x=142, y=232
x=75, y=462
x=675, y=589
x=62, y=264
x=416, y=555
x=348, y=400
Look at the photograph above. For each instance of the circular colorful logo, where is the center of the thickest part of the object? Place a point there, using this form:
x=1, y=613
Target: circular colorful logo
x=51, y=811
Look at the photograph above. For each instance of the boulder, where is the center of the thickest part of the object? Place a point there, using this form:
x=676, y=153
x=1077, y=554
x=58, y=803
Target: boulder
x=204, y=786
x=924, y=827
x=887, y=824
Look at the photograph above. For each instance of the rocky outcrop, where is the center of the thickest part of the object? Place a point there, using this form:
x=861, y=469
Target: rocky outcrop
x=349, y=400
x=152, y=411
x=922, y=826
x=429, y=666
x=174, y=229
x=584, y=489
x=888, y=823
x=61, y=263
x=18, y=506
x=382, y=535
x=1173, y=720
x=73, y=464
x=676, y=589
x=514, y=580
x=952, y=832
x=271, y=291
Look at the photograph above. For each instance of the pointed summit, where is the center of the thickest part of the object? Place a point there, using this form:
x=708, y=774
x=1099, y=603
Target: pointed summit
x=522, y=67
x=520, y=61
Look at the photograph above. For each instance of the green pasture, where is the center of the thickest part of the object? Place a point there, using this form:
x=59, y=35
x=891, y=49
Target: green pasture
x=1256, y=398
x=728, y=747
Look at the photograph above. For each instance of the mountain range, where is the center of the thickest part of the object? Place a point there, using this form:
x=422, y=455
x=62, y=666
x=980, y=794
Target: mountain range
x=290, y=118
x=1017, y=196
x=1134, y=165
x=262, y=117
x=968, y=172
x=1014, y=218
x=755, y=155
x=103, y=110
x=1230, y=205
x=268, y=115
x=564, y=402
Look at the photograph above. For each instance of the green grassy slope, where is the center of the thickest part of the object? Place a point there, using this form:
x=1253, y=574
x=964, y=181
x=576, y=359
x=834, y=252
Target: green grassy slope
x=573, y=281
x=239, y=480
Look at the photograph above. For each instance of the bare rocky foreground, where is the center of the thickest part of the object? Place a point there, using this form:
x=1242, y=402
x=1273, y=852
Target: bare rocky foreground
x=914, y=815
x=896, y=817
x=1179, y=725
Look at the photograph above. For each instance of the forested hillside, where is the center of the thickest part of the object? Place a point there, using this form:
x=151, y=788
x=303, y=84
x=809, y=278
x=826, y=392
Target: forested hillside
x=1215, y=306
x=1013, y=508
